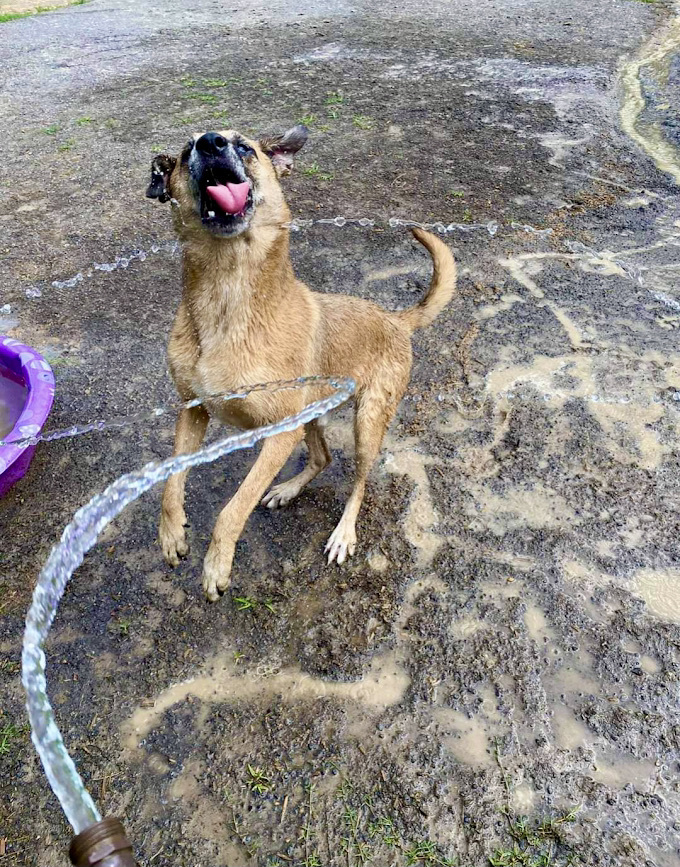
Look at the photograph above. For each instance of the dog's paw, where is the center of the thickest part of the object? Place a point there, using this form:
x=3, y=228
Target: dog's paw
x=216, y=573
x=342, y=543
x=281, y=495
x=173, y=540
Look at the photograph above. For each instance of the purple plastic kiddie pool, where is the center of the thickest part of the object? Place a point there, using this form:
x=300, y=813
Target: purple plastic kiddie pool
x=26, y=395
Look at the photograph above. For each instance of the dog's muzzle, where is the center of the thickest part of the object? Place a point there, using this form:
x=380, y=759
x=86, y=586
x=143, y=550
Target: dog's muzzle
x=221, y=185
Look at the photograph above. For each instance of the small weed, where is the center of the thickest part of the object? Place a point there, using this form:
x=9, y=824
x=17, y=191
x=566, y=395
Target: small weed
x=332, y=113
x=185, y=121
x=257, y=781
x=312, y=860
x=207, y=98
x=346, y=789
x=8, y=735
x=384, y=827
x=186, y=81
x=250, y=603
x=123, y=627
x=425, y=852
x=237, y=656
x=156, y=149
x=457, y=194
x=61, y=362
x=245, y=603
x=314, y=171
x=67, y=145
x=307, y=119
x=84, y=121
x=221, y=112
x=366, y=830
x=52, y=129
x=111, y=123
x=467, y=216
x=10, y=666
x=534, y=845
x=216, y=82
x=335, y=98
x=363, y=122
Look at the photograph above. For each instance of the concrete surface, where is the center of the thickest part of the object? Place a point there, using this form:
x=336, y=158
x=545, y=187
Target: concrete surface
x=505, y=642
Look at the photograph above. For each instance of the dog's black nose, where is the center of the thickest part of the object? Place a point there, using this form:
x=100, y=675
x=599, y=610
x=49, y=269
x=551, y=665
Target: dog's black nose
x=211, y=143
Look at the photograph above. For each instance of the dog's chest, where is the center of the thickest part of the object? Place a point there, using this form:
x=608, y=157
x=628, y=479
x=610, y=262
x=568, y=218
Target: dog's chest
x=213, y=377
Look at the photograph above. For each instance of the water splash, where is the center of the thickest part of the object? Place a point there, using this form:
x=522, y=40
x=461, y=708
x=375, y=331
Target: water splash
x=491, y=227
x=121, y=421
x=77, y=539
x=393, y=222
x=120, y=263
x=531, y=230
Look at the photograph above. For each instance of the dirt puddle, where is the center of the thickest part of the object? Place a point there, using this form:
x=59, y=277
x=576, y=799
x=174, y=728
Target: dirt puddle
x=660, y=589
x=383, y=685
x=654, y=59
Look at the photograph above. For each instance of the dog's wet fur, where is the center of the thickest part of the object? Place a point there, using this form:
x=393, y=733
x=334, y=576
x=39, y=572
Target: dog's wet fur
x=245, y=318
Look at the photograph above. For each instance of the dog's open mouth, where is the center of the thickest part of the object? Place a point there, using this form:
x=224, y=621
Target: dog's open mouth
x=226, y=201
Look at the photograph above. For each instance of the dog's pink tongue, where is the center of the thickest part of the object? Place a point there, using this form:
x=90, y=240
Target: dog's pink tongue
x=230, y=197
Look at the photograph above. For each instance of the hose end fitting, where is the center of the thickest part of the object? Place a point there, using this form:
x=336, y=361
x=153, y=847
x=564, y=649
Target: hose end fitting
x=103, y=844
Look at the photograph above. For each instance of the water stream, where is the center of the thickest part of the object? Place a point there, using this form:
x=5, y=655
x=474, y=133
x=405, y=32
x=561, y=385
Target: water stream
x=77, y=539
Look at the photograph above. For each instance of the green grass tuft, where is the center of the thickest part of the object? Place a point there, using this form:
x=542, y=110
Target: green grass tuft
x=39, y=10
x=362, y=121
x=8, y=735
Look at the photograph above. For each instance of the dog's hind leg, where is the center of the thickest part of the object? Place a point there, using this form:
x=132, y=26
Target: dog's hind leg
x=189, y=432
x=318, y=459
x=374, y=411
x=217, y=566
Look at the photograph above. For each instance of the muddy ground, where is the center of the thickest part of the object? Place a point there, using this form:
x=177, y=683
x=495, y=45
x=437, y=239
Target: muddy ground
x=505, y=641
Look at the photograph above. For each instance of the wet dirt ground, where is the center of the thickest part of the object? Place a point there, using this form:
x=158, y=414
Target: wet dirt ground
x=505, y=642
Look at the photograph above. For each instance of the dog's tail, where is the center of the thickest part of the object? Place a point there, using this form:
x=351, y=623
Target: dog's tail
x=441, y=287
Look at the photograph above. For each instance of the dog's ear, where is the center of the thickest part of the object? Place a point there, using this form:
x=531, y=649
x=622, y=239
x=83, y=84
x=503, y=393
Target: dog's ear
x=161, y=169
x=281, y=149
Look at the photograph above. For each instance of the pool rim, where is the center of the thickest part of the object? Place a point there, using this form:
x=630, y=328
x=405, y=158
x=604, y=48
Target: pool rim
x=39, y=381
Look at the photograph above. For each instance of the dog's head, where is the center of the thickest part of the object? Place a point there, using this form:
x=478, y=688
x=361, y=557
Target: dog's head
x=223, y=181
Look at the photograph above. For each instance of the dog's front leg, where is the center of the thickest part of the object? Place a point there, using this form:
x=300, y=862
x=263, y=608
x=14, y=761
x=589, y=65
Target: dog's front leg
x=217, y=565
x=189, y=433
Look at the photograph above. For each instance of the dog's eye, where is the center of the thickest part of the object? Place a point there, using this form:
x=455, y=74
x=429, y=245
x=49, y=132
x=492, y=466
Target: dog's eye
x=243, y=150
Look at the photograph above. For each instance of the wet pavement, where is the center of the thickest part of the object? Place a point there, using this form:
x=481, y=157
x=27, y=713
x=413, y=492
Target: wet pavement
x=505, y=642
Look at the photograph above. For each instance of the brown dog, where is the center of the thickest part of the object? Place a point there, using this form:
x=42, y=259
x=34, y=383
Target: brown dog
x=245, y=318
